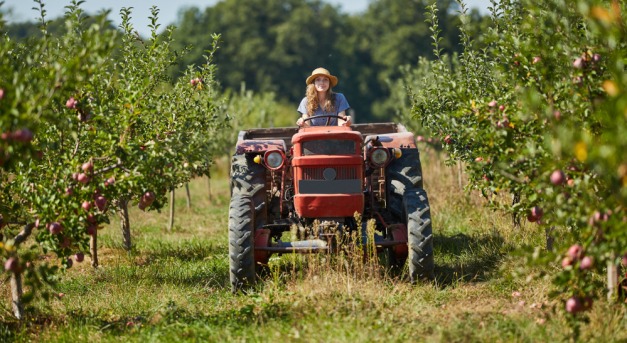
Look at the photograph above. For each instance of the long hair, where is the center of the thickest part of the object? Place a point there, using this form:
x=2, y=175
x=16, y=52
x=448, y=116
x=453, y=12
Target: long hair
x=312, y=100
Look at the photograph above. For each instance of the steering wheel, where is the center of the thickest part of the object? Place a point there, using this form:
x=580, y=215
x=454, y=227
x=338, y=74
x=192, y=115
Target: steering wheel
x=328, y=116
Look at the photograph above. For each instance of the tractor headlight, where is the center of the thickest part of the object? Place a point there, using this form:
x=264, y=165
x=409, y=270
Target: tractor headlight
x=274, y=159
x=379, y=157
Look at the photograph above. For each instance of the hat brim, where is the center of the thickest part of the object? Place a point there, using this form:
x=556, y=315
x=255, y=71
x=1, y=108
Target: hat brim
x=331, y=78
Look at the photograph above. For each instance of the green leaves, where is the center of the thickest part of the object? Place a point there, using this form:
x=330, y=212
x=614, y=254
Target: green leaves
x=85, y=122
x=546, y=94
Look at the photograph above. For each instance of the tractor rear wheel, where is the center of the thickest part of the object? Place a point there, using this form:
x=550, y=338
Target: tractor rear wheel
x=408, y=202
x=420, y=235
x=247, y=213
x=241, y=242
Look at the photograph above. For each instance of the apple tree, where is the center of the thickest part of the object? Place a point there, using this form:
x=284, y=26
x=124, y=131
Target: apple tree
x=537, y=108
x=89, y=122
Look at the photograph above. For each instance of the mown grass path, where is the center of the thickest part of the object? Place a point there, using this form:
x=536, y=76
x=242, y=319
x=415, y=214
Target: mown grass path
x=174, y=286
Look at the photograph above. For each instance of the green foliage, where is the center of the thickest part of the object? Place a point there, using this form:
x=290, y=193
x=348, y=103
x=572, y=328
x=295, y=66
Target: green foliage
x=249, y=110
x=546, y=94
x=272, y=46
x=85, y=124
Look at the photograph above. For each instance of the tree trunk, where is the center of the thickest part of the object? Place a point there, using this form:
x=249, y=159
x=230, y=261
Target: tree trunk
x=189, y=198
x=171, y=224
x=93, y=249
x=548, y=232
x=515, y=218
x=16, y=277
x=125, y=224
x=16, y=295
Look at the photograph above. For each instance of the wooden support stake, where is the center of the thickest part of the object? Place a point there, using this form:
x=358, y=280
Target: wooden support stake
x=171, y=224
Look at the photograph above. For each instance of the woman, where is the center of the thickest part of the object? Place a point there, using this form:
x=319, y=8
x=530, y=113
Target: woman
x=320, y=100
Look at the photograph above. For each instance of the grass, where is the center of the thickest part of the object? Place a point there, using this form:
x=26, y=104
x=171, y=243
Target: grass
x=174, y=285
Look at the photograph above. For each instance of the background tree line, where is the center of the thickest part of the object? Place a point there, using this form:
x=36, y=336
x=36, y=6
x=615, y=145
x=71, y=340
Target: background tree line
x=272, y=45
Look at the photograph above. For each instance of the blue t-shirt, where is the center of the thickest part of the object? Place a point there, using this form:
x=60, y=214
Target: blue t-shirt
x=341, y=104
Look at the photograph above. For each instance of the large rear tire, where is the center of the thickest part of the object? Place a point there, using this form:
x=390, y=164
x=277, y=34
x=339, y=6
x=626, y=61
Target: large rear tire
x=408, y=202
x=247, y=213
x=420, y=235
x=241, y=242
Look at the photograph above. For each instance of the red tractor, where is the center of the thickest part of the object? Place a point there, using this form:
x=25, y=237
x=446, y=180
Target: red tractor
x=283, y=178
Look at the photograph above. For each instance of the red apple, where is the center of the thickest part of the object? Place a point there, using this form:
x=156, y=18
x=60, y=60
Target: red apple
x=146, y=200
x=87, y=166
x=83, y=178
x=557, y=115
x=501, y=108
x=22, y=135
x=71, y=103
x=1, y=93
x=536, y=59
x=69, y=191
x=86, y=205
x=558, y=177
x=420, y=138
x=596, y=58
x=567, y=261
x=505, y=122
x=447, y=139
x=91, y=218
x=101, y=202
x=12, y=264
x=574, y=305
x=91, y=229
x=110, y=181
x=586, y=263
x=574, y=252
x=535, y=214
x=79, y=256
x=578, y=63
x=149, y=197
x=55, y=228
x=492, y=103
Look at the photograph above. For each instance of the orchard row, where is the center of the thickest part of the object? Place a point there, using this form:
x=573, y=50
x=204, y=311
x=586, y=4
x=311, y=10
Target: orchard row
x=90, y=122
x=538, y=109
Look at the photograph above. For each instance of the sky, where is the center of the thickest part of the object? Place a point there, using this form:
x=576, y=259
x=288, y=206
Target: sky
x=21, y=10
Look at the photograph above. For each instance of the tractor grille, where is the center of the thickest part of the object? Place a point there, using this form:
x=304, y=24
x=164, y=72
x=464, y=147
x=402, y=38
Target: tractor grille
x=342, y=173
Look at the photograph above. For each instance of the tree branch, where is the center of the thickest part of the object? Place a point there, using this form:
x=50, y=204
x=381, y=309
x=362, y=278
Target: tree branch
x=23, y=235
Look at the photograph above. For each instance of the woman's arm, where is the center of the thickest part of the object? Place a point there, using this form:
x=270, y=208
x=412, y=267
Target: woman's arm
x=301, y=122
x=344, y=120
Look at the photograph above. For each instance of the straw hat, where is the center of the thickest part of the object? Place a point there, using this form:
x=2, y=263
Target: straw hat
x=322, y=72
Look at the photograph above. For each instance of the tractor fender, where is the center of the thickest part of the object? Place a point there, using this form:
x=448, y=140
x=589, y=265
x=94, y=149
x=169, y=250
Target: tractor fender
x=395, y=140
x=259, y=145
